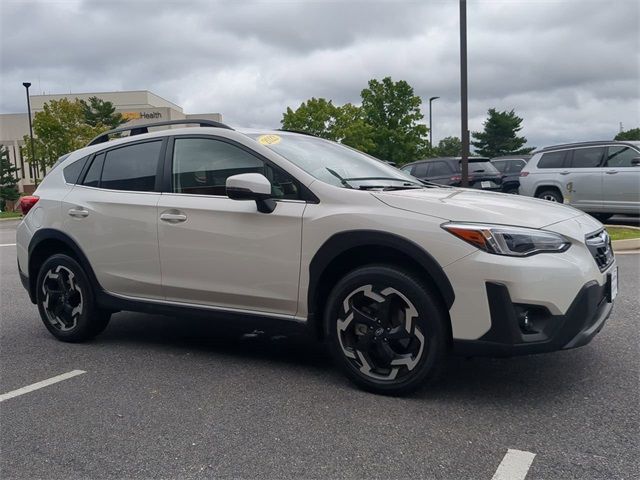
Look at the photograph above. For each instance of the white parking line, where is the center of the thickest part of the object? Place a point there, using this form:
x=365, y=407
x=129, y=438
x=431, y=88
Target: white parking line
x=42, y=384
x=514, y=465
x=7, y=244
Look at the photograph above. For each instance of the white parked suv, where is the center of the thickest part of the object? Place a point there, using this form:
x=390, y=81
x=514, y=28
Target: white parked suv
x=278, y=226
x=601, y=178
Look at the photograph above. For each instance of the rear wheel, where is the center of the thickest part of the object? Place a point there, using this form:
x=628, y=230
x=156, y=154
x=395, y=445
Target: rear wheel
x=550, y=195
x=65, y=301
x=386, y=329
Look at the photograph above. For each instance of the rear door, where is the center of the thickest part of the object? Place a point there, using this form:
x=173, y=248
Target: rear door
x=220, y=252
x=583, y=183
x=621, y=181
x=111, y=214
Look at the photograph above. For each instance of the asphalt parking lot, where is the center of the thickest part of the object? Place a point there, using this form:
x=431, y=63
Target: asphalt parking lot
x=177, y=398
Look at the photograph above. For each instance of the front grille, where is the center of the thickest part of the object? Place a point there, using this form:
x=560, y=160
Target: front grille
x=599, y=244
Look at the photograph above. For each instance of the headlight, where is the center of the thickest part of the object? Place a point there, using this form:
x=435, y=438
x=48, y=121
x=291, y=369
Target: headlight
x=505, y=240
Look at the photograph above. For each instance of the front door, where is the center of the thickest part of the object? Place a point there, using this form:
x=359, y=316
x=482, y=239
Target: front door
x=584, y=180
x=621, y=181
x=220, y=252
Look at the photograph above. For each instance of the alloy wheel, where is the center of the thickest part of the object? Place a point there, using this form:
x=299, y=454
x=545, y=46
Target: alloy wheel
x=63, y=301
x=379, y=334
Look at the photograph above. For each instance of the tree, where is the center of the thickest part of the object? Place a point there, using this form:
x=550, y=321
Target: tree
x=58, y=129
x=316, y=116
x=322, y=118
x=393, y=111
x=98, y=113
x=632, y=134
x=500, y=135
x=449, y=147
x=8, y=179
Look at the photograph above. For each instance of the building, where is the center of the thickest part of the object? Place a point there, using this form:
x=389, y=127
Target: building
x=137, y=106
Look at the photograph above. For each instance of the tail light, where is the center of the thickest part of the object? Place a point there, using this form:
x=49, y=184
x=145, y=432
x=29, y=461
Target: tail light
x=27, y=203
x=524, y=174
x=456, y=178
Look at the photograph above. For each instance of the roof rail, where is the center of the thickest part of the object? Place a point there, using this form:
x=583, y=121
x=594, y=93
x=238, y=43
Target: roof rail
x=140, y=129
x=594, y=143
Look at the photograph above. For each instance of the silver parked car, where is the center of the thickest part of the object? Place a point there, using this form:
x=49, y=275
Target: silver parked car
x=601, y=178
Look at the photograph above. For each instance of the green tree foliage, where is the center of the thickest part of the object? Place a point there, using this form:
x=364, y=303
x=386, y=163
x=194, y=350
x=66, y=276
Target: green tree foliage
x=632, y=134
x=100, y=113
x=8, y=179
x=386, y=125
x=393, y=110
x=448, y=147
x=316, y=116
x=322, y=118
x=500, y=135
x=58, y=129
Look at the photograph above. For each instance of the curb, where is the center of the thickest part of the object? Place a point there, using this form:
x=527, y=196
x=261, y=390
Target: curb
x=10, y=219
x=626, y=245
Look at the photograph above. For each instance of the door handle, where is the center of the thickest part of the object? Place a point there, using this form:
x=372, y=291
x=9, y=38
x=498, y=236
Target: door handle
x=173, y=217
x=78, y=212
x=566, y=172
x=611, y=172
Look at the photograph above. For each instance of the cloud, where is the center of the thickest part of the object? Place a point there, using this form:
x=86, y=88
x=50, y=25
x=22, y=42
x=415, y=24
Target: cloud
x=571, y=69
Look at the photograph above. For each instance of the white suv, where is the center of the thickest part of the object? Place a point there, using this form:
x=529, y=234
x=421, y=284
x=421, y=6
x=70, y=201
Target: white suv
x=279, y=226
x=601, y=178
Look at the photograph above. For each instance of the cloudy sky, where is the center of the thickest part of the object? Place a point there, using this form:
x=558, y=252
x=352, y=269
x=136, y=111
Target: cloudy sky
x=570, y=68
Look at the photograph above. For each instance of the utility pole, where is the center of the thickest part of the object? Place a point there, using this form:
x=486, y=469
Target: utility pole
x=431, y=122
x=464, y=107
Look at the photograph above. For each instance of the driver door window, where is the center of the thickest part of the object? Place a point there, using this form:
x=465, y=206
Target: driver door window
x=201, y=166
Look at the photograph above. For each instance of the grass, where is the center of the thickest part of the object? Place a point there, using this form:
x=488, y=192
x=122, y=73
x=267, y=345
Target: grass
x=622, y=233
x=10, y=214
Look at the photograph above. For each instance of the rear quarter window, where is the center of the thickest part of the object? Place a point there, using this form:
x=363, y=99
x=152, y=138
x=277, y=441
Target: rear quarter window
x=72, y=171
x=552, y=160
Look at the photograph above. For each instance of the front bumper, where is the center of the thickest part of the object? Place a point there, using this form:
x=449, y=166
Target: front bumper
x=584, y=318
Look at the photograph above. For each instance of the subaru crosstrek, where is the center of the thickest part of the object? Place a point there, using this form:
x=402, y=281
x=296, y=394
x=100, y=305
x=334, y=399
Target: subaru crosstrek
x=278, y=226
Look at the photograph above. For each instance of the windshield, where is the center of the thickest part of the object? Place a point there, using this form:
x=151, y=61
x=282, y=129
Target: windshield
x=336, y=164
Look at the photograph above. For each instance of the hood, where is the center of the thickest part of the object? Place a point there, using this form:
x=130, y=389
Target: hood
x=469, y=205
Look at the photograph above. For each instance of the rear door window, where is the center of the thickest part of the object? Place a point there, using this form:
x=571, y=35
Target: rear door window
x=501, y=166
x=552, y=159
x=587, y=157
x=92, y=178
x=421, y=170
x=132, y=168
x=439, y=169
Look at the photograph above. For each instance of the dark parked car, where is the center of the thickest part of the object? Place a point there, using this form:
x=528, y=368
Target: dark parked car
x=510, y=167
x=447, y=171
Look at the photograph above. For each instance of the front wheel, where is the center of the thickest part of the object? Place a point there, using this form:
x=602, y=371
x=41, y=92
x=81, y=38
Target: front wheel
x=65, y=301
x=386, y=329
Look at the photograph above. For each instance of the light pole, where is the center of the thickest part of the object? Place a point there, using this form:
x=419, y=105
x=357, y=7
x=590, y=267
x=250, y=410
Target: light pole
x=33, y=150
x=464, y=110
x=431, y=121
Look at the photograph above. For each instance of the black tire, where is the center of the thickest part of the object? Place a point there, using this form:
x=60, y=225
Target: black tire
x=66, y=302
x=602, y=217
x=512, y=191
x=551, y=195
x=375, y=294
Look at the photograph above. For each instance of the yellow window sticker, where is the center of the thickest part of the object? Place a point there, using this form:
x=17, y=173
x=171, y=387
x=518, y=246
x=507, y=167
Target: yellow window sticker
x=269, y=139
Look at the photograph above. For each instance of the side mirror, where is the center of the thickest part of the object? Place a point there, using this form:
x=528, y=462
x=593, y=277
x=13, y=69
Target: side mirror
x=635, y=162
x=252, y=186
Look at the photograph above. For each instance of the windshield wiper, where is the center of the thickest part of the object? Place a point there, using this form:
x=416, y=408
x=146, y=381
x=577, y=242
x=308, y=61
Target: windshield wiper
x=389, y=187
x=337, y=175
x=395, y=179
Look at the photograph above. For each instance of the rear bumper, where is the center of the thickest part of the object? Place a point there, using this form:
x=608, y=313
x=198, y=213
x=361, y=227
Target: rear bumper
x=585, y=317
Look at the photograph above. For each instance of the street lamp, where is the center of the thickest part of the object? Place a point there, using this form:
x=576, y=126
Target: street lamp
x=33, y=151
x=431, y=121
x=464, y=109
